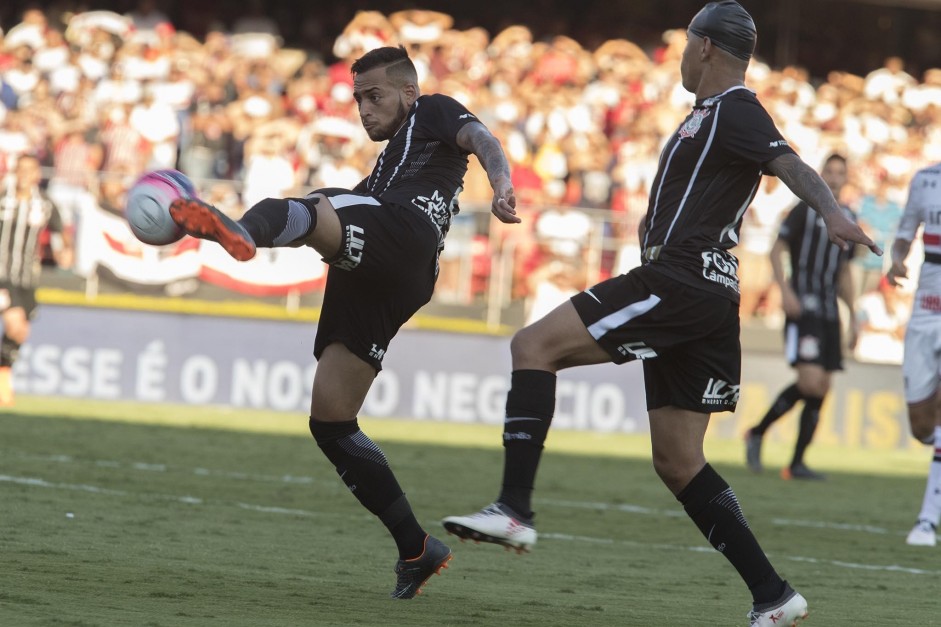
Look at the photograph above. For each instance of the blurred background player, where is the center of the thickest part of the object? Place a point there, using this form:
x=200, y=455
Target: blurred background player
x=921, y=365
x=819, y=274
x=25, y=213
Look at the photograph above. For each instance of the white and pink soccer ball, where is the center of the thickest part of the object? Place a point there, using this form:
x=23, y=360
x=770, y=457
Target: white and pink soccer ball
x=148, y=206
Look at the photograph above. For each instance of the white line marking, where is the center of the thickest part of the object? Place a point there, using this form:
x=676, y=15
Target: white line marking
x=266, y=509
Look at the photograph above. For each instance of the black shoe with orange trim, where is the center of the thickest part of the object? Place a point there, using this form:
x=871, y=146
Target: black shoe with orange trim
x=206, y=222
x=413, y=573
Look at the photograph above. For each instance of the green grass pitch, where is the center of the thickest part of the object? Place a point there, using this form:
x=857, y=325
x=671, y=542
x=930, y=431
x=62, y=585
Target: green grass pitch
x=123, y=514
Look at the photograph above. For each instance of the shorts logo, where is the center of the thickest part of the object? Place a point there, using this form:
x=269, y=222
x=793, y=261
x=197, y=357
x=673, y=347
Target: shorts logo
x=719, y=392
x=808, y=347
x=638, y=349
x=377, y=353
x=353, y=254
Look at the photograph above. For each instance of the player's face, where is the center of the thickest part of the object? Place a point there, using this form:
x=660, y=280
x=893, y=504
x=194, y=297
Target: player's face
x=834, y=175
x=383, y=107
x=690, y=67
x=28, y=173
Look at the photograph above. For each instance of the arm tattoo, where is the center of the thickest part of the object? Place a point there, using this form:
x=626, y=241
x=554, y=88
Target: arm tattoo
x=475, y=138
x=806, y=184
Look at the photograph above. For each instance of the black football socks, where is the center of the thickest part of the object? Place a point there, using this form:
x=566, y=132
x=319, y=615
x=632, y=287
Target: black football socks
x=279, y=221
x=786, y=399
x=530, y=404
x=712, y=505
x=364, y=469
x=810, y=417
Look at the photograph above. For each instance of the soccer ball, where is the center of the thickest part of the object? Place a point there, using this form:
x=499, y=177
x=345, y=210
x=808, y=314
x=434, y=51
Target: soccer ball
x=148, y=206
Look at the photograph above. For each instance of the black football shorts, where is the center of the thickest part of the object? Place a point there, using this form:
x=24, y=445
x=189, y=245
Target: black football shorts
x=813, y=340
x=687, y=338
x=17, y=296
x=383, y=273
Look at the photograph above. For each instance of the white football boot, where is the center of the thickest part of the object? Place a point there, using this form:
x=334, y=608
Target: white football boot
x=497, y=524
x=922, y=534
x=786, y=612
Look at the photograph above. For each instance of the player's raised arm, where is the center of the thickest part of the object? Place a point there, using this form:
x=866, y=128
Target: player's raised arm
x=476, y=138
x=807, y=185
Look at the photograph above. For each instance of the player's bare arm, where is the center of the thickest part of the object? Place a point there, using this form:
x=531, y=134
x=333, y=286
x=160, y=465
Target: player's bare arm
x=900, y=249
x=847, y=294
x=807, y=185
x=476, y=138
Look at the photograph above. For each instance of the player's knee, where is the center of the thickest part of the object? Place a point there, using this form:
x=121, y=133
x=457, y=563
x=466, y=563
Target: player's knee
x=527, y=348
x=813, y=388
x=922, y=430
x=17, y=333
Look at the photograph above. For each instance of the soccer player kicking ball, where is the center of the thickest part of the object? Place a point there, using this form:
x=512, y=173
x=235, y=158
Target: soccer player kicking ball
x=381, y=241
x=678, y=312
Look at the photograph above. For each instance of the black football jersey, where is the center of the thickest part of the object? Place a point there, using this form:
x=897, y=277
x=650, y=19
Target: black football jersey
x=816, y=262
x=708, y=173
x=422, y=166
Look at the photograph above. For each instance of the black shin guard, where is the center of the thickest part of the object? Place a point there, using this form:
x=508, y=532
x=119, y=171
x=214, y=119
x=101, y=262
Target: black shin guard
x=783, y=404
x=810, y=418
x=280, y=221
x=530, y=404
x=9, y=349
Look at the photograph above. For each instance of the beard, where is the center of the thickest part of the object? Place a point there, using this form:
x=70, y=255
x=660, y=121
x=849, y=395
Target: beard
x=388, y=132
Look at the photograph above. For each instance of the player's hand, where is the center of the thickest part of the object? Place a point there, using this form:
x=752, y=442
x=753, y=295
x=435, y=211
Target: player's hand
x=842, y=231
x=504, y=201
x=853, y=335
x=790, y=304
x=896, y=272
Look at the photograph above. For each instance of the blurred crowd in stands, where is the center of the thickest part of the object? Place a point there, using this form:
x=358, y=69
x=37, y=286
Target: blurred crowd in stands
x=102, y=97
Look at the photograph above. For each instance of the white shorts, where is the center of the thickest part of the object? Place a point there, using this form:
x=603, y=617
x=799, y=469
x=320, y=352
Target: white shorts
x=922, y=364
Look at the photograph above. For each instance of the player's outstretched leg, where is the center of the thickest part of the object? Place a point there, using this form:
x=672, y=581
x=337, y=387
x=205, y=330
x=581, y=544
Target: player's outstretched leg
x=204, y=221
x=497, y=524
x=787, y=611
x=413, y=573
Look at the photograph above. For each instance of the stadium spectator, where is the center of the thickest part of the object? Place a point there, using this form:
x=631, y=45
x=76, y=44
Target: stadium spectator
x=615, y=98
x=883, y=314
x=879, y=215
x=75, y=161
x=381, y=241
x=921, y=366
x=146, y=17
x=889, y=82
x=679, y=317
x=25, y=212
x=819, y=273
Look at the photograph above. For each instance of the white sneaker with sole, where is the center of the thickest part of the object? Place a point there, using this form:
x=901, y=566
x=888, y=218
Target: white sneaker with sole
x=497, y=524
x=786, y=612
x=922, y=534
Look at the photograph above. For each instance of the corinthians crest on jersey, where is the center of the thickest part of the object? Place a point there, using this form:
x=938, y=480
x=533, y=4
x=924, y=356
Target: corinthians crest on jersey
x=691, y=127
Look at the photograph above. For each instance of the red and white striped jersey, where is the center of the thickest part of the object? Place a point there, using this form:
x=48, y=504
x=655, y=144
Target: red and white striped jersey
x=924, y=209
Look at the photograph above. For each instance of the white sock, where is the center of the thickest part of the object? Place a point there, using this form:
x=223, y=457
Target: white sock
x=931, y=505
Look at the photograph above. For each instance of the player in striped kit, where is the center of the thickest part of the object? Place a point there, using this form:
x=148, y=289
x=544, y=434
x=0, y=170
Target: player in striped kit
x=678, y=312
x=381, y=240
x=25, y=212
x=921, y=366
x=819, y=274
